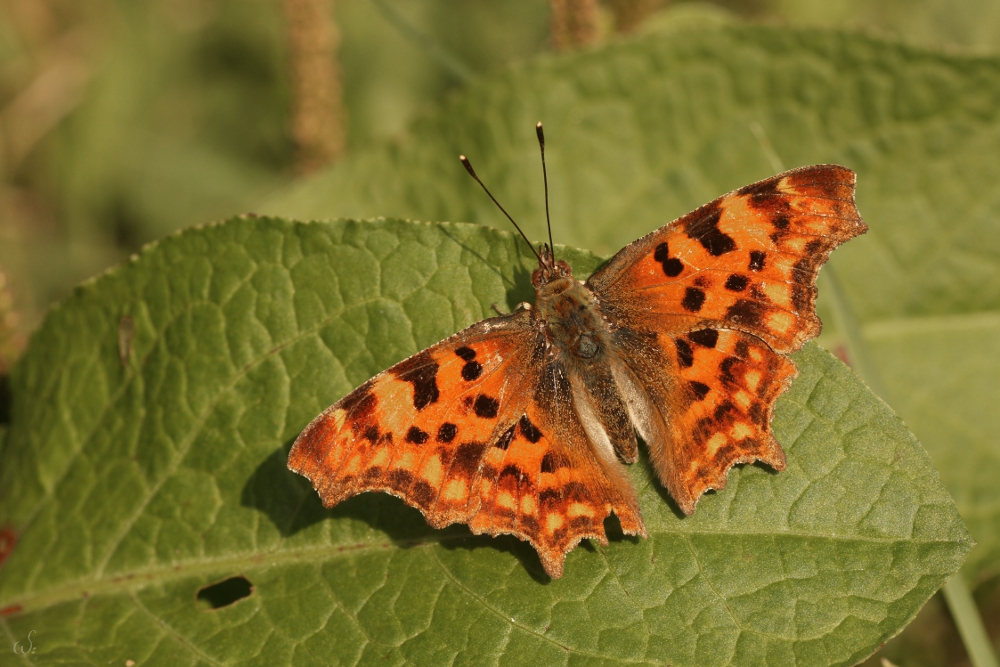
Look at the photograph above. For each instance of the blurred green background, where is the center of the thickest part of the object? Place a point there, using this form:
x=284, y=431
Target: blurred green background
x=122, y=121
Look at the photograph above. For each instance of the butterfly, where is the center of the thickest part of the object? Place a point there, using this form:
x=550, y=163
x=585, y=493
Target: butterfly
x=520, y=424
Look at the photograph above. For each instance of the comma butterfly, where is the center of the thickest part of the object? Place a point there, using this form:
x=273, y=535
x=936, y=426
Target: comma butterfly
x=519, y=424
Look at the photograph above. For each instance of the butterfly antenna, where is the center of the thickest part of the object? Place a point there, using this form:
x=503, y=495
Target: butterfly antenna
x=468, y=168
x=545, y=177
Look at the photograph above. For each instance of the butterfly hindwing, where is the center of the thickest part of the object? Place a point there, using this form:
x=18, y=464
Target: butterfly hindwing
x=548, y=485
x=728, y=384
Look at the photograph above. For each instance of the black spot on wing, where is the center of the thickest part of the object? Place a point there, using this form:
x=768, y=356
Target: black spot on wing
x=447, y=432
x=706, y=231
x=736, y=283
x=400, y=480
x=815, y=246
x=360, y=403
x=503, y=442
x=685, y=355
x=422, y=493
x=760, y=193
x=700, y=389
x=416, y=436
x=486, y=407
x=725, y=454
x=661, y=252
x=803, y=296
x=467, y=458
x=466, y=353
x=704, y=337
x=471, y=371
x=510, y=470
x=550, y=496
x=756, y=260
x=672, y=267
x=529, y=430
x=552, y=462
x=420, y=371
x=694, y=299
x=746, y=312
x=723, y=410
x=726, y=368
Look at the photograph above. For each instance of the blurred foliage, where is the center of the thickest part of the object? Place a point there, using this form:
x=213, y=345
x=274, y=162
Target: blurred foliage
x=124, y=120
x=121, y=122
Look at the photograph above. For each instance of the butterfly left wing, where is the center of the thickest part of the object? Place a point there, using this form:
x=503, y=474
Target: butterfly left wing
x=703, y=310
x=419, y=430
x=478, y=429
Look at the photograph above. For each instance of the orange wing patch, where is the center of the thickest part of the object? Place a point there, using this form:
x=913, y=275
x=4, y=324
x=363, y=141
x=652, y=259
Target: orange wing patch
x=420, y=429
x=543, y=482
x=720, y=414
x=746, y=261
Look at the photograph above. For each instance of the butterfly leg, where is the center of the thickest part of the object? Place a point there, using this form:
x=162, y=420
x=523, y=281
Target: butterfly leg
x=524, y=305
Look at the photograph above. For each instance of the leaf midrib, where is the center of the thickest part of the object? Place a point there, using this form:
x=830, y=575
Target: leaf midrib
x=238, y=563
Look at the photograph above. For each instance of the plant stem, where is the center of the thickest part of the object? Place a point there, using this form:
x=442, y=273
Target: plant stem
x=970, y=623
x=318, y=116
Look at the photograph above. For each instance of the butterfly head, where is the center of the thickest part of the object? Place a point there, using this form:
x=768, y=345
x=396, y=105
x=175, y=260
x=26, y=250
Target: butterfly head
x=550, y=271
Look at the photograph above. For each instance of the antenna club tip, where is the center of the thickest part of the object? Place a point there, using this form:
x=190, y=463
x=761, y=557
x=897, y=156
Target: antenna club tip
x=468, y=165
x=538, y=125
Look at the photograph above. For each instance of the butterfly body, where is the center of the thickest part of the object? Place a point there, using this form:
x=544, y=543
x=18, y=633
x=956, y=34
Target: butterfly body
x=519, y=424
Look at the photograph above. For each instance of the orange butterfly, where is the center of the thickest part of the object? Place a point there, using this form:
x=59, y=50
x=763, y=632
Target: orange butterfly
x=519, y=424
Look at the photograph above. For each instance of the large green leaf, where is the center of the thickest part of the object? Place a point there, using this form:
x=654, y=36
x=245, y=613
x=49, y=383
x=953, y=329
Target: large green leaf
x=133, y=486
x=645, y=130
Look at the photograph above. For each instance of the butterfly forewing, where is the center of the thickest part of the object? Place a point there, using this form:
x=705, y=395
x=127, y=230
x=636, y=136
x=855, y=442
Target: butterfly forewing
x=746, y=261
x=420, y=429
x=545, y=483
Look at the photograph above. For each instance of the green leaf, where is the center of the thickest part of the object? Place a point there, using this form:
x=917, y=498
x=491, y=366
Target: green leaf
x=134, y=487
x=643, y=131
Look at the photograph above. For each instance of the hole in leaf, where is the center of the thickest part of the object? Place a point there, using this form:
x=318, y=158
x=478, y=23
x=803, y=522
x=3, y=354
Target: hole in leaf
x=224, y=593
